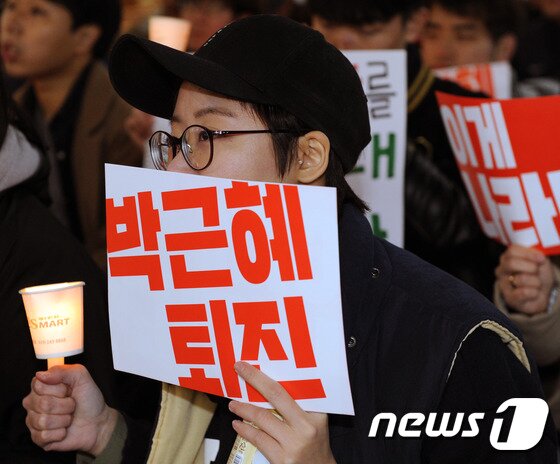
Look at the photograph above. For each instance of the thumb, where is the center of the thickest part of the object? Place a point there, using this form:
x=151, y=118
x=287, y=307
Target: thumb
x=67, y=374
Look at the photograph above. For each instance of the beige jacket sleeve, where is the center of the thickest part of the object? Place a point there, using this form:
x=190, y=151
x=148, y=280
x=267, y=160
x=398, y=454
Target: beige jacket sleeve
x=541, y=332
x=112, y=454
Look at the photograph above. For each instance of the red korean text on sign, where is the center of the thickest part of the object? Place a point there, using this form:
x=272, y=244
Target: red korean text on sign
x=135, y=225
x=252, y=316
x=291, y=256
x=245, y=221
x=207, y=200
x=126, y=216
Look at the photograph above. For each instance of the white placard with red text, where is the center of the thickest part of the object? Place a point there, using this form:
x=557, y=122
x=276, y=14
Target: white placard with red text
x=493, y=79
x=508, y=153
x=378, y=177
x=204, y=272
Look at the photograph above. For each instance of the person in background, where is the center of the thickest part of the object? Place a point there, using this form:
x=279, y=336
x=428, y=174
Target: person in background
x=460, y=32
x=35, y=249
x=440, y=223
x=417, y=339
x=294, y=9
x=209, y=16
x=57, y=47
x=135, y=12
x=478, y=31
x=539, y=47
x=528, y=291
x=206, y=16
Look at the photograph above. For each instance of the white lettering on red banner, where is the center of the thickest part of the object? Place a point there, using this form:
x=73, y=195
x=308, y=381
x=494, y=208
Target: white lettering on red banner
x=514, y=184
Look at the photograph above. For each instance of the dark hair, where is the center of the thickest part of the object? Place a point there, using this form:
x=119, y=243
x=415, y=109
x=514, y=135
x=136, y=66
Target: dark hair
x=103, y=13
x=359, y=12
x=285, y=150
x=500, y=17
x=238, y=7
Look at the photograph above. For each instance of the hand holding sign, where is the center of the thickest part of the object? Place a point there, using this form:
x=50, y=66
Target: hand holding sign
x=299, y=437
x=525, y=278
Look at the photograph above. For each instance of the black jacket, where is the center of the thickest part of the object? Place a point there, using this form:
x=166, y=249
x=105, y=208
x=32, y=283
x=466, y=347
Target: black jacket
x=404, y=321
x=440, y=223
x=35, y=249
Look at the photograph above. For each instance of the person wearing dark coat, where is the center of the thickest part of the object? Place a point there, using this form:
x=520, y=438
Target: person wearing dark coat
x=35, y=249
x=440, y=223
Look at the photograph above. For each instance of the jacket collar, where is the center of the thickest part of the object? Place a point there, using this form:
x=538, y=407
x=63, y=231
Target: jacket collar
x=420, y=79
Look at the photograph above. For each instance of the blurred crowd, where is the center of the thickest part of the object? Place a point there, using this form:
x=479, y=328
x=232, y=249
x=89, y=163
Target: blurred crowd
x=61, y=121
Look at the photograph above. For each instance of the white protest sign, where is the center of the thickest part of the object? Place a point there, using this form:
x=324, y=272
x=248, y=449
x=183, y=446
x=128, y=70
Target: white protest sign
x=204, y=272
x=378, y=177
x=493, y=79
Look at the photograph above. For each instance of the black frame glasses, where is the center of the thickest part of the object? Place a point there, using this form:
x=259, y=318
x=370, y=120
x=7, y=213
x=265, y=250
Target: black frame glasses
x=163, y=144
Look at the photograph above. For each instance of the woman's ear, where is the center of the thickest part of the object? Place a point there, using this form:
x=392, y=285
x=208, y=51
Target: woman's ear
x=312, y=158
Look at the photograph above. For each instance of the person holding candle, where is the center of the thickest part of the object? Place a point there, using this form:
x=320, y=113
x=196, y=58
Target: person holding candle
x=418, y=340
x=36, y=249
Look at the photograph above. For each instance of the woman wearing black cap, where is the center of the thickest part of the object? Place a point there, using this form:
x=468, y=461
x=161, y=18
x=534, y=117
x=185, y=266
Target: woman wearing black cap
x=418, y=340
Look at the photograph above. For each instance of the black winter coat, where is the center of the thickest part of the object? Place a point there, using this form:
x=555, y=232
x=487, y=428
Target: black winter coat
x=404, y=321
x=35, y=249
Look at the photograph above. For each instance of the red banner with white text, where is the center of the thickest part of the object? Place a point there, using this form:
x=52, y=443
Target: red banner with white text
x=508, y=153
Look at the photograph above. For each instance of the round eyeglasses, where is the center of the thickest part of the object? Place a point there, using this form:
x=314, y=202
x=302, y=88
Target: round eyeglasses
x=196, y=144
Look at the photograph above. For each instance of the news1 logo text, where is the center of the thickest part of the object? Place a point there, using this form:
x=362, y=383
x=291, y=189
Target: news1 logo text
x=526, y=425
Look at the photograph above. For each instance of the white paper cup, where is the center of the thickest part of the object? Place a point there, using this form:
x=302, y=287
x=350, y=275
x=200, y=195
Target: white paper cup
x=55, y=317
x=173, y=32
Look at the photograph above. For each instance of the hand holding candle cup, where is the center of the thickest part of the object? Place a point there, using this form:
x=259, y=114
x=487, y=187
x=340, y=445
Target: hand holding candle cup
x=55, y=317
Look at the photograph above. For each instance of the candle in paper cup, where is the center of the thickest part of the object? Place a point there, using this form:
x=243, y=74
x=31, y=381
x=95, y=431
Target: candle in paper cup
x=173, y=32
x=55, y=316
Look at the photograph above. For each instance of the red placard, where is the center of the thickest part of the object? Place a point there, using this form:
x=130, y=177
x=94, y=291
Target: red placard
x=508, y=153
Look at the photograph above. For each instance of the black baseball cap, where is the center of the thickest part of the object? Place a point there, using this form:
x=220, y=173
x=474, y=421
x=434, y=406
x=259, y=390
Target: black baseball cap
x=260, y=59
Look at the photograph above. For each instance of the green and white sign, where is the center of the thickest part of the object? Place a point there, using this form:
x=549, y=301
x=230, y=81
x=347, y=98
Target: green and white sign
x=379, y=174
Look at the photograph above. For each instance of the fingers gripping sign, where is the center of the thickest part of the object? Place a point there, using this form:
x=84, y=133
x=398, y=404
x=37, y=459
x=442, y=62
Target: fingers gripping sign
x=525, y=279
x=293, y=435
